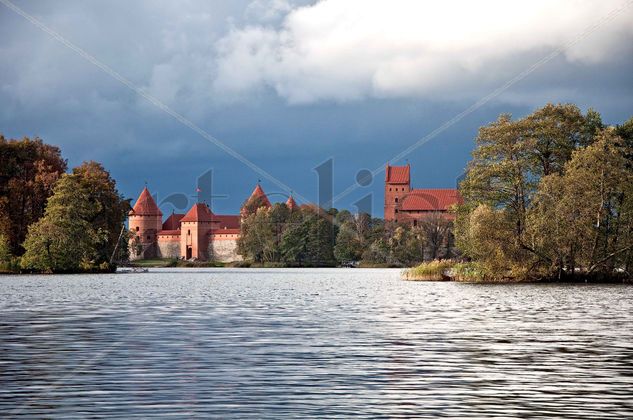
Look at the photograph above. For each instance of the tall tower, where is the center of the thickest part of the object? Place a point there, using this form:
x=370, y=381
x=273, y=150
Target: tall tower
x=397, y=186
x=195, y=228
x=257, y=199
x=145, y=221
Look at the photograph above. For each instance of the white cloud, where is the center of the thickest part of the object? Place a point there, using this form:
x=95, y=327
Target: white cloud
x=267, y=10
x=351, y=49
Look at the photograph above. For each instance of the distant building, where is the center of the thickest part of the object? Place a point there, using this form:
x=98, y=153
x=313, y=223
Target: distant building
x=406, y=205
x=198, y=234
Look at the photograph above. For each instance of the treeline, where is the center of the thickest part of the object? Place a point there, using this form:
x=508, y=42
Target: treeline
x=311, y=237
x=549, y=196
x=53, y=221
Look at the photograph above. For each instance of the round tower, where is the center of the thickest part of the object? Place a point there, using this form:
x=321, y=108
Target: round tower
x=145, y=221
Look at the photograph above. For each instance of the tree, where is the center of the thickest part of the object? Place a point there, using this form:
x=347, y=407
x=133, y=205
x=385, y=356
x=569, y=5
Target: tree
x=353, y=236
x=257, y=238
x=5, y=252
x=293, y=241
x=583, y=218
x=29, y=170
x=347, y=246
x=436, y=233
x=63, y=240
x=554, y=132
x=111, y=208
x=309, y=238
x=508, y=164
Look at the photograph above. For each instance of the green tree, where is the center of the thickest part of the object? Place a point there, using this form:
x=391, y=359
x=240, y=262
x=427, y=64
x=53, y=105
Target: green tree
x=347, y=246
x=63, y=240
x=257, y=239
x=111, y=208
x=5, y=252
x=583, y=218
x=354, y=235
x=309, y=238
x=508, y=163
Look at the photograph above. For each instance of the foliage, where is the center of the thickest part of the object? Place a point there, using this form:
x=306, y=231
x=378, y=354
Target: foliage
x=548, y=195
x=5, y=252
x=471, y=272
x=63, y=240
x=309, y=239
x=583, y=218
x=111, y=209
x=257, y=242
x=28, y=171
x=436, y=232
x=355, y=233
x=275, y=236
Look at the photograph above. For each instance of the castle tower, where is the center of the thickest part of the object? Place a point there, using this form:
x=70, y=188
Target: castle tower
x=291, y=204
x=195, y=228
x=397, y=186
x=257, y=199
x=145, y=221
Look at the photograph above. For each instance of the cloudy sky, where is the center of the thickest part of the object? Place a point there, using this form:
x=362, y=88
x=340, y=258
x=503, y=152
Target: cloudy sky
x=286, y=85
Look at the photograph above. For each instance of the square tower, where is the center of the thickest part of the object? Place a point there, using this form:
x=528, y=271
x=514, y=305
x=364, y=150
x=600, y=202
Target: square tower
x=397, y=187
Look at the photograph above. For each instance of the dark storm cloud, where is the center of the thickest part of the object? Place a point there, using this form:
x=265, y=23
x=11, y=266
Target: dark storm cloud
x=236, y=69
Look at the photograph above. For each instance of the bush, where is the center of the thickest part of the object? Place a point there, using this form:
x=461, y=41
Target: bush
x=435, y=270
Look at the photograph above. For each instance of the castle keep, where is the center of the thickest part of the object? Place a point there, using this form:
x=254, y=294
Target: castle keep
x=410, y=206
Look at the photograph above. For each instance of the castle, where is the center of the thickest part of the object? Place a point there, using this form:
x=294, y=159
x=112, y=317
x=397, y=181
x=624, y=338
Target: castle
x=199, y=234
x=410, y=206
x=203, y=235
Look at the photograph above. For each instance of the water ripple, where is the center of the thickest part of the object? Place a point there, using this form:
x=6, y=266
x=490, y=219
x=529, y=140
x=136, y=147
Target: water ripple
x=311, y=343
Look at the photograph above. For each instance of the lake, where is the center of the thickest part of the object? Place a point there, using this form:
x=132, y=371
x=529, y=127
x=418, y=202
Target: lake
x=311, y=343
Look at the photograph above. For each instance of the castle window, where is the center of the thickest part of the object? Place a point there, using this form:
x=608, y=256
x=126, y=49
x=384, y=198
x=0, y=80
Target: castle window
x=149, y=237
x=188, y=232
x=396, y=210
x=415, y=223
x=396, y=199
x=389, y=188
x=137, y=228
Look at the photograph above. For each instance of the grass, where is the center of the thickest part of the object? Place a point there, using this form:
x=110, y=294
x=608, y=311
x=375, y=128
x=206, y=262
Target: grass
x=172, y=262
x=469, y=272
x=443, y=270
x=435, y=270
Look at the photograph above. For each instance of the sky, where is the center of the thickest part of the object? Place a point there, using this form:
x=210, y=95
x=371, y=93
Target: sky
x=162, y=92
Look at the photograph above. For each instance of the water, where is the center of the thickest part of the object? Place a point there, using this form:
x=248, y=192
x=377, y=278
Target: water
x=311, y=343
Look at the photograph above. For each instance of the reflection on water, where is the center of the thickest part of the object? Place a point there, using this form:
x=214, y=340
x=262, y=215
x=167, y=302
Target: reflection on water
x=311, y=343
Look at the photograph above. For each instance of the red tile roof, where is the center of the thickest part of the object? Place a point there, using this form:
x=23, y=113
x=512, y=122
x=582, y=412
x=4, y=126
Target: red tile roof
x=228, y=221
x=173, y=221
x=430, y=200
x=169, y=232
x=145, y=205
x=258, y=193
x=397, y=174
x=291, y=203
x=200, y=212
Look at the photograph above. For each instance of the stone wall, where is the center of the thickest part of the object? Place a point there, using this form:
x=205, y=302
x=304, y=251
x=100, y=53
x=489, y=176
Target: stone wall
x=168, y=248
x=146, y=250
x=224, y=250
